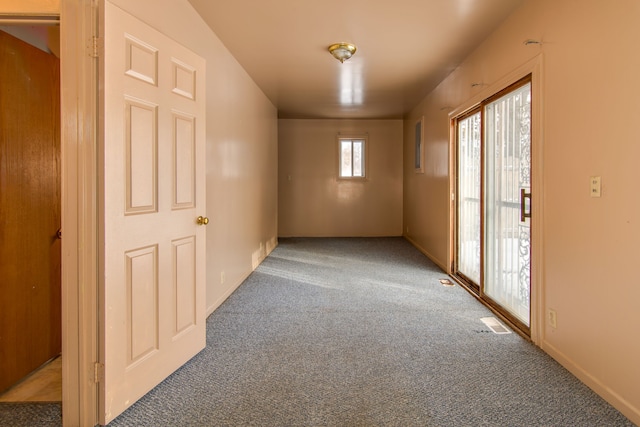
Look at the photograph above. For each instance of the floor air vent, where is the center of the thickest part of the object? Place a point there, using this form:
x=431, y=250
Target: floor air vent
x=493, y=324
x=446, y=282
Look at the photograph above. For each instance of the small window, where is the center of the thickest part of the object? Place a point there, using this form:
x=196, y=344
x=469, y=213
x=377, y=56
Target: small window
x=352, y=157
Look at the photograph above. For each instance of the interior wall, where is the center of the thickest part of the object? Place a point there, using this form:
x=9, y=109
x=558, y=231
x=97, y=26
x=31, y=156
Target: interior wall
x=313, y=202
x=426, y=192
x=589, y=245
x=28, y=7
x=241, y=151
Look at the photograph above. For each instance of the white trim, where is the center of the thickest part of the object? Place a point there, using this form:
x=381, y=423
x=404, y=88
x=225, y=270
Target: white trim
x=217, y=303
x=426, y=253
x=79, y=213
x=604, y=391
x=353, y=137
x=537, y=185
x=534, y=67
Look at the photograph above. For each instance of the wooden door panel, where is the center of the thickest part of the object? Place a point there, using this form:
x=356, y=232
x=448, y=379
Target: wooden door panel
x=142, y=303
x=184, y=173
x=141, y=60
x=141, y=139
x=154, y=282
x=184, y=284
x=30, y=299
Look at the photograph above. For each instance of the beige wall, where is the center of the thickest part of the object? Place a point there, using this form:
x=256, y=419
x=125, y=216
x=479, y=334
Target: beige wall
x=241, y=151
x=313, y=202
x=588, y=246
x=30, y=7
x=426, y=193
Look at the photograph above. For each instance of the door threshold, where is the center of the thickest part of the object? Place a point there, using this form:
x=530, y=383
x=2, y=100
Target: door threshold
x=500, y=316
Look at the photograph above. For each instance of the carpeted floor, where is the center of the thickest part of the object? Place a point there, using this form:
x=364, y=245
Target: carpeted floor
x=360, y=332
x=32, y=414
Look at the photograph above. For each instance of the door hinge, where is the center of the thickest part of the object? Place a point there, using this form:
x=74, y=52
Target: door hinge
x=98, y=372
x=94, y=49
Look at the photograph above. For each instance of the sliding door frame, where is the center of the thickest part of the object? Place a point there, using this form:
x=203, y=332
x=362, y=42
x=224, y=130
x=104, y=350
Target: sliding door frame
x=474, y=287
x=533, y=68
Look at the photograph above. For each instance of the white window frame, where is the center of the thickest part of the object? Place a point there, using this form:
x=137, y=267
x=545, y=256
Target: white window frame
x=365, y=144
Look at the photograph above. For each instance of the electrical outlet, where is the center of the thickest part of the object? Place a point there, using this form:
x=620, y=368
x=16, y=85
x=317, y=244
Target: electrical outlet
x=553, y=318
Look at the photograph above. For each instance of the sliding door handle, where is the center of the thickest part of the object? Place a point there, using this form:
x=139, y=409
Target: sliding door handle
x=523, y=206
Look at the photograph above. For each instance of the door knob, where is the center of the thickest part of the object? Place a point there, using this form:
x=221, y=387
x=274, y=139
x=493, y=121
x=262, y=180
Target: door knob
x=202, y=220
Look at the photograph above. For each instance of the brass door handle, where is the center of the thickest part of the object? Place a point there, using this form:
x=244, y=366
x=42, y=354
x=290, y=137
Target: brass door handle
x=523, y=210
x=202, y=220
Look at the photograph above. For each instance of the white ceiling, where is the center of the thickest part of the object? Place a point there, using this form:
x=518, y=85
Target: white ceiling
x=405, y=48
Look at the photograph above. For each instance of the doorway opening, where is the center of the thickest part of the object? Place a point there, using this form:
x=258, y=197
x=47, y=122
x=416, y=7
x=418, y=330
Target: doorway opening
x=30, y=216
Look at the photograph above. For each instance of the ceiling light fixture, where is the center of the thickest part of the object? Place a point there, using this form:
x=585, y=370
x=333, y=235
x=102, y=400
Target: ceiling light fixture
x=342, y=51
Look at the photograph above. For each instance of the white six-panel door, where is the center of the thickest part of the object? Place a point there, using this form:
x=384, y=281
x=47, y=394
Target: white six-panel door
x=153, y=301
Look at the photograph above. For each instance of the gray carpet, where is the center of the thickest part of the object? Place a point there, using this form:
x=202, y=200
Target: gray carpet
x=30, y=414
x=360, y=332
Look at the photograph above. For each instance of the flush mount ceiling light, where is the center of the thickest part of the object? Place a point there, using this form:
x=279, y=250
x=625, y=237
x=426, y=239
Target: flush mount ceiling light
x=342, y=51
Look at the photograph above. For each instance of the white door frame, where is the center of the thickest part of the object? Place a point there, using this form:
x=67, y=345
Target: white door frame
x=79, y=83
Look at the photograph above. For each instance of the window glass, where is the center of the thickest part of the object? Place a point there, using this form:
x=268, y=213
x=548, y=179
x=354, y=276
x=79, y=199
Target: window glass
x=345, y=158
x=352, y=158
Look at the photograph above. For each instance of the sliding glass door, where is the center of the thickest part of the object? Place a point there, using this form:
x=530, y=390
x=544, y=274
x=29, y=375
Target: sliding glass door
x=468, y=192
x=493, y=201
x=507, y=192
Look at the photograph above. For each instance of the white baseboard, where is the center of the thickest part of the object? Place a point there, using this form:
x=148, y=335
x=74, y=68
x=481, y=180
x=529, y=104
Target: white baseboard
x=217, y=303
x=427, y=254
x=617, y=401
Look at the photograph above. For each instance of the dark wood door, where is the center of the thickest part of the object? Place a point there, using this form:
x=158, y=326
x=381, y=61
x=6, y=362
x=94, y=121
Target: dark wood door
x=30, y=259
